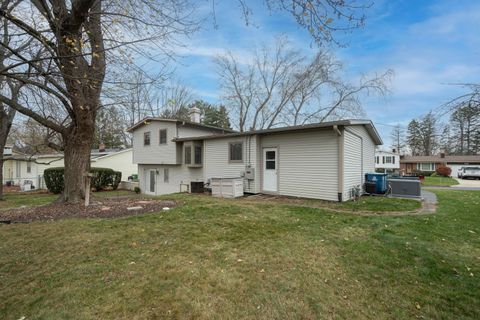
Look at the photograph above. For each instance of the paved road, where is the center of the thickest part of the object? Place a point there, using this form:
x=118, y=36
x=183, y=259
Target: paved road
x=467, y=183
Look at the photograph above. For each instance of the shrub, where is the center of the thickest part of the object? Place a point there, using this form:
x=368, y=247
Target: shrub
x=137, y=190
x=116, y=178
x=423, y=173
x=101, y=178
x=54, y=179
x=444, y=171
x=435, y=174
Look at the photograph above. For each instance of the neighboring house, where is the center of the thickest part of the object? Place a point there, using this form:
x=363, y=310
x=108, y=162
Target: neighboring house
x=322, y=161
x=20, y=167
x=410, y=164
x=387, y=161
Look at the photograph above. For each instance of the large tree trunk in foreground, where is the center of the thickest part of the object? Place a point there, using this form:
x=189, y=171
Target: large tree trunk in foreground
x=77, y=161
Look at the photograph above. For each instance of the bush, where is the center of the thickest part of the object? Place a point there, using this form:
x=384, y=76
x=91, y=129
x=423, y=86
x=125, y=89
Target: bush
x=54, y=179
x=116, y=178
x=444, y=171
x=435, y=174
x=101, y=178
x=422, y=173
x=137, y=190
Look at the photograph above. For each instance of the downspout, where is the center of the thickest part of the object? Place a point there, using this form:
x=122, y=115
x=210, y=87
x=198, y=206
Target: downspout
x=341, y=160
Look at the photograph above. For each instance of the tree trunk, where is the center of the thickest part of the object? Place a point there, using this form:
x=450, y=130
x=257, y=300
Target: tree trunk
x=77, y=146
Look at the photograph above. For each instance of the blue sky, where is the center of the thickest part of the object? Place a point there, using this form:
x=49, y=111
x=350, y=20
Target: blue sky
x=428, y=44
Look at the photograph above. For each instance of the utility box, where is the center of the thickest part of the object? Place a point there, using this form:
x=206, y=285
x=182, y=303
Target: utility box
x=250, y=173
x=227, y=187
x=405, y=188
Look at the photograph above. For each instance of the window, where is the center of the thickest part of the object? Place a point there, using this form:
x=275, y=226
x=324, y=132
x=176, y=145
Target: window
x=146, y=138
x=163, y=136
x=388, y=159
x=236, y=152
x=165, y=175
x=29, y=167
x=393, y=159
x=377, y=159
x=198, y=155
x=270, y=160
x=188, y=154
x=18, y=167
x=426, y=166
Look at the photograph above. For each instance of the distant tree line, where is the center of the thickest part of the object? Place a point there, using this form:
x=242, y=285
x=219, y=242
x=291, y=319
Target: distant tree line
x=428, y=136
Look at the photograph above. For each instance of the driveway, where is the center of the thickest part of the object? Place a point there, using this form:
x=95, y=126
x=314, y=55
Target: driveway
x=467, y=183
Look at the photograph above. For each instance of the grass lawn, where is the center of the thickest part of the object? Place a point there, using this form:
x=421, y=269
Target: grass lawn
x=12, y=200
x=232, y=259
x=439, y=181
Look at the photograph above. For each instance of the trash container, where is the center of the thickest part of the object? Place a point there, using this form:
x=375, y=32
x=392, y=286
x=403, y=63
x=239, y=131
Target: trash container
x=380, y=180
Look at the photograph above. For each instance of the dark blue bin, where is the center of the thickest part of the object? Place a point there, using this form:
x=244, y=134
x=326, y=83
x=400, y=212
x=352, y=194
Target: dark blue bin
x=380, y=179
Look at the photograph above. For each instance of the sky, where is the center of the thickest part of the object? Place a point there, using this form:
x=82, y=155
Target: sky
x=431, y=45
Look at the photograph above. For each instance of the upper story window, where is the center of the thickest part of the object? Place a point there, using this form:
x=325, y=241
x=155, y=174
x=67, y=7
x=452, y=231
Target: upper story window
x=163, y=136
x=377, y=159
x=29, y=167
x=388, y=159
x=146, y=138
x=188, y=154
x=235, y=153
x=198, y=154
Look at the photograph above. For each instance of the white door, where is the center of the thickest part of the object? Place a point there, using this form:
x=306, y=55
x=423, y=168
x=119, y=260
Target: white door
x=150, y=178
x=270, y=169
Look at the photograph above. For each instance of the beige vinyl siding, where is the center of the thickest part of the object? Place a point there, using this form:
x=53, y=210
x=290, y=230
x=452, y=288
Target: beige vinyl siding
x=368, y=147
x=217, y=165
x=155, y=153
x=352, y=157
x=178, y=174
x=307, y=163
x=185, y=131
x=352, y=163
x=119, y=161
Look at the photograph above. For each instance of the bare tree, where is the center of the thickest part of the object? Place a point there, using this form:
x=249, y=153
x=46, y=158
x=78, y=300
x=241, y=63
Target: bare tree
x=282, y=87
x=78, y=38
x=397, y=136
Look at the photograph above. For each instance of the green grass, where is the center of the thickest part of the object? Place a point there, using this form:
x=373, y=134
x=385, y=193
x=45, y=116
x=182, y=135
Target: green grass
x=439, y=181
x=240, y=259
x=377, y=204
x=12, y=200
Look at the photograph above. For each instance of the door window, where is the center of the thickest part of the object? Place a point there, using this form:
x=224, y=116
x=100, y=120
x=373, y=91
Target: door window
x=270, y=160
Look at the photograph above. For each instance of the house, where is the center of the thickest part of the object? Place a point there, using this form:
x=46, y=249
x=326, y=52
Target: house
x=322, y=161
x=387, y=161
x=410, y=164
x=19, y=167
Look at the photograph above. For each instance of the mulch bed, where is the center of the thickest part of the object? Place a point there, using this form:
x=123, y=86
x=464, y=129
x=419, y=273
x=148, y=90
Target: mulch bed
x=105, y=208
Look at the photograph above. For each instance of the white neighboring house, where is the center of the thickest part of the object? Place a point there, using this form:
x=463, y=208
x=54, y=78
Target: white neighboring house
x=387, y=161
x=20, y=167
x=322, y=161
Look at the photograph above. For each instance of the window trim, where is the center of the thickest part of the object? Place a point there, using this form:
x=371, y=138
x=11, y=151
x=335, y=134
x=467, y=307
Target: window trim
x=160, y=136
x=230, y=152
x=149, y=139
x=432, y=166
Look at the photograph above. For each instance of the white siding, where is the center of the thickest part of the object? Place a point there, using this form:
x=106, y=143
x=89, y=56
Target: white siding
x=185, y=131
x=308, y=163
x=155, y=153
x=351, y=153
x=217, y=165
x=178, y=174
x=120, y=161
x=353, y=171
